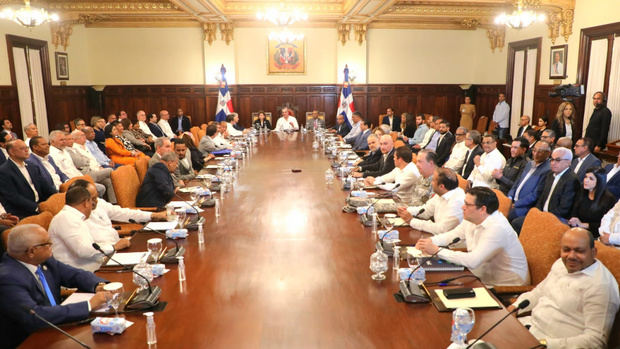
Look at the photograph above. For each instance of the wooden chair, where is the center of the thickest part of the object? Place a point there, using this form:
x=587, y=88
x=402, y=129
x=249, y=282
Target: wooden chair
x=481, y=125
x=381, y=117
x=267, y=117
x=394, y=135
x=463, y=184
x=504, y=202
x=610, y=257
x=142, y=165
x=43, y=219
x=201, y=134
x=195, y=130
x=540, y=237
x=65, y=186
x=126, y=185
x=309, y=116
x=53, y=204
x=203, y=127
x=398, y=143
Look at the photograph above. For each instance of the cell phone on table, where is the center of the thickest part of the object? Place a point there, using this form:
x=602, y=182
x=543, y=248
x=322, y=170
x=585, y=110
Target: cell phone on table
x=461, y=292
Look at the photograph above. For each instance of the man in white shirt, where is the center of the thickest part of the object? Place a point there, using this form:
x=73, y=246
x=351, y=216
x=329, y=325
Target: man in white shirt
x=494, y=252
x=445, y=207
x=142, y=123
x=609, y=230
x=163, y=123
x=575, y=305
x=356, y=128
x=87, y=164
x=232, y=120
x=405, y=174
x=491, y=159
x=459, y=150
x=434, y=139
x=61, y=158
x=72, y=242
x=30, y=130
x=220, y=138
x=501, y=116
x=430, y=122
x=287, y=122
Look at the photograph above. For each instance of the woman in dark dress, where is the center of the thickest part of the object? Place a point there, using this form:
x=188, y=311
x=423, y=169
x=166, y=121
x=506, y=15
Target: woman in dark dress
x=410, y=125
x=592, y=202
x=262, y=122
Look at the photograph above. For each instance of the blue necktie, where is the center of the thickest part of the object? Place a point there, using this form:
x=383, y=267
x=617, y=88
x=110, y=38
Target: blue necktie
x=50, y=296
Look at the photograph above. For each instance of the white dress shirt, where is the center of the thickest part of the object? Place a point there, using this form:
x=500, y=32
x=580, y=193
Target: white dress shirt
x=482, y=175
x=24, y=171
x=610, y=224
x=100, y=221
x=27, y=141
x=145, y=128
x=62, y=159
x=355, y=131
x=165, y=127
x=284, y=125
x=556, y=179
x=457, y=157
x=573, y=310
x=501, y=114
x=613, y=172
x=580, y=162
x=446, y=210
x=93, y=164
x=409, y=179
x=494, y=252
x=427, y=137
x=232, y=131
x=50, y=169
x=221, y=142
x=71, y=242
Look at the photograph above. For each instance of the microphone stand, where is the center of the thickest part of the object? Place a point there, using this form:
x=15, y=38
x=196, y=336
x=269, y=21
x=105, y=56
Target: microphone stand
x=142, y=300
x=200, y=219
x=169, y=257
x=520, y=306
x=364, y=217
x=31, y=311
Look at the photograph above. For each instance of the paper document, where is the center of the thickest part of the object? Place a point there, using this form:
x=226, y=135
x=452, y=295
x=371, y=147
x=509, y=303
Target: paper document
x=127, y=258
x=482, y=300
x=212, y=167
x=398, y=222
x=415, y=252
x=189, y=189
x=188, y=208
x=161, y=226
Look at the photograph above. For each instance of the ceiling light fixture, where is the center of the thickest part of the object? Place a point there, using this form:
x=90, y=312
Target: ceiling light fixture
x=519, y=18
x=27, y=16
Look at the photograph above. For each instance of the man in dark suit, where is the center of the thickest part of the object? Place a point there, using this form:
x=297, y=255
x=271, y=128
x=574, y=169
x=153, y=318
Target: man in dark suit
x=530, y=135
x=385, y=163
x=612, y=172
x=472, y=141
x=361, y=141
x=584, y=158
x=180, y=123
x=393, y=121
x=157, y=189
x=444, y=144
x=40, y=158
x=560, y=188
x=598, y=126
x=23, y=186
x=507, y=176
x=4, y=138
x=524, y=125
x=530, y=184
x=30, y=278
x=373, y=156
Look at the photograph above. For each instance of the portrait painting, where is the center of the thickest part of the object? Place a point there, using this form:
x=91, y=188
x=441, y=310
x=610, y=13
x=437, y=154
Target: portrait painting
x=557, y=62
x=286, y=57
x=62, y=66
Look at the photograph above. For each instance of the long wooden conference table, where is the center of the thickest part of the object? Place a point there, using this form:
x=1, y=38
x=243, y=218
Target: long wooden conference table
x=284, y=267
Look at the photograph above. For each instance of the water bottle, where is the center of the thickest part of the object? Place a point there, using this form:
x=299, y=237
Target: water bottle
x=201, y=235
x=396, y=258
x=217, y=207
x=151, y=336
x=315, y=145
x=373, y=216
x=181, y=269
x=329, y=176
x=419, y=276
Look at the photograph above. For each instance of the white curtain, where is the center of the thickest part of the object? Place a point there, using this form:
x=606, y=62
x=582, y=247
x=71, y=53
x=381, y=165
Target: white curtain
x=517, y=92
x=596, y=76
x=23, y=85
x=613, y=100
x=38, y=92
x=530, y=83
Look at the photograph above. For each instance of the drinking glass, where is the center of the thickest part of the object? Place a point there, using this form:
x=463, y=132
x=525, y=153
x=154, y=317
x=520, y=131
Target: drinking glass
x=116, y=291
x=463, y=320
x=181, y=213
x=194, y=194
x=154, y=246
x=388, y=221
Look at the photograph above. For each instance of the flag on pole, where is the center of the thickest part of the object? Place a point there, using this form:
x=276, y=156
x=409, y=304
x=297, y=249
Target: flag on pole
x=224, y=103
x=345, y=104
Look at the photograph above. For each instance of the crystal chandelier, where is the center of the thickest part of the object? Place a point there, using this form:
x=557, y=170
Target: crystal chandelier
x=519, y=18
x=285, y=36
x=28, y=16
x=283, y=19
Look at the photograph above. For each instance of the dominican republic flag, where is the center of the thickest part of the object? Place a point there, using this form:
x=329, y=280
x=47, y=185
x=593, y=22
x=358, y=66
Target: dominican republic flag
x=345, y=104
x=224, y=103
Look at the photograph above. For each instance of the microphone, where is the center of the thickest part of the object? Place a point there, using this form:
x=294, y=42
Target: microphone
x=379, y=197
x=187, y=202
x=420, y=212
x=31, y=311
x=144, y=299
x=169, y=257
x=417, y=294
x=520, y=306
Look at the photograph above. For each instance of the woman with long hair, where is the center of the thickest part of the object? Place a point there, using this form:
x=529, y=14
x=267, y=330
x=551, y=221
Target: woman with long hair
x=592, y=202
x=564, y=123
x=410, y=126
x=115, y=148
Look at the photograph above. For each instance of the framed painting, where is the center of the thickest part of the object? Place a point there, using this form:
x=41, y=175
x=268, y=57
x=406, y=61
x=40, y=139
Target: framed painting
x=286, y=57
x=557, y=62
x=62, y=66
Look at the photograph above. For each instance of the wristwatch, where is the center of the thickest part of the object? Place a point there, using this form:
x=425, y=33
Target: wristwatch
x=543, y=342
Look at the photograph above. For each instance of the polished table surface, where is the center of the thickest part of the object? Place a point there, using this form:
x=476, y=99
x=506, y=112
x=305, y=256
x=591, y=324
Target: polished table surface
x=284, y=267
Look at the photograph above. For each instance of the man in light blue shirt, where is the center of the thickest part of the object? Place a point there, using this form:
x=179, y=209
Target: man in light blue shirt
x=92, y=147
x=420, y=131
x=432, y=143
x=356, y=129
x=501, y=116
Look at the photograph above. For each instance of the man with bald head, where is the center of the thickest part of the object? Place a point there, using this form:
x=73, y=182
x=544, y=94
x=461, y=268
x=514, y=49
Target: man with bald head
x=385, y=163
x=575, y=305
x=30, y=278
x=23, y=186
x=341, y=128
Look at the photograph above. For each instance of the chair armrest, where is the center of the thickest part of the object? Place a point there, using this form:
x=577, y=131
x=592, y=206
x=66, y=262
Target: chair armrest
x=513, y=289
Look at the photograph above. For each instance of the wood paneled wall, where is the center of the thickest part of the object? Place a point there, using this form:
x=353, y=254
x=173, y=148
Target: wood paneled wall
x=200, y=101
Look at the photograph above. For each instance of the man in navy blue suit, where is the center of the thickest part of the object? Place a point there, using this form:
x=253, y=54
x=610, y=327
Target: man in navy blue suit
x=361, y=141
x=4, y=138
x=393, y=121
x=584, y=159
x=23, y=186
x=613, y=177
x=40, y=158
x=341, y=128
x=30, y=278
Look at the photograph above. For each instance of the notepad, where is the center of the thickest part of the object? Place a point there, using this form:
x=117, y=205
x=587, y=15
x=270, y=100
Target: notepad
x=398, y=222
x=127, y=258
x=161, y=226
x=189, y=189
x=77, y=297
x=482, y=300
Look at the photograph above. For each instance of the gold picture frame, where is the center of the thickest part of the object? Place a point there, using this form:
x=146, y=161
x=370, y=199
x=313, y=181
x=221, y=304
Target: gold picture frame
x=286, y=58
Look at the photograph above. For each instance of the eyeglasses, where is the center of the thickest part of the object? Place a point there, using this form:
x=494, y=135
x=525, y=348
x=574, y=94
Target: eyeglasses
x=558, y=159
x=44, y=244
x=460, y=134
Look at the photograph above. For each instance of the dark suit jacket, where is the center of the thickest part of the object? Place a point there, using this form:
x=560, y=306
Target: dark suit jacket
x=174, y=124
x=2, y=157
x=371, y=158
x=396, y=121
x=34, y=161
x=265, y=124
x=16, y=194
x=469, y=165
x=361, y=141
x=444, y=146
x=560, y=130
x=155, y=129
x=598, y=126
x=590, y=161
x=531, y=190
x=563, y=196
x=380, y=167
x=522, y=130
x=19, y=288
x=157, y=189
x=342, y=130
x=613, y=184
